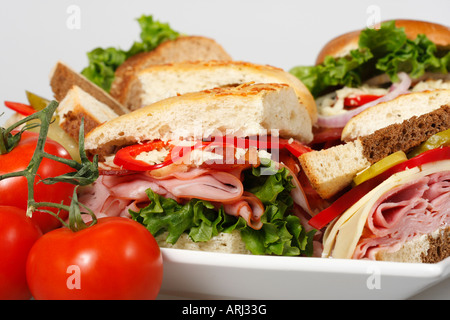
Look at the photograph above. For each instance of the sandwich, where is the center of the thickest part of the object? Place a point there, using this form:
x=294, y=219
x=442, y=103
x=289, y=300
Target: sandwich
x=379, y=131
x=389, y=184
x=362, y=68
x=158, y=82
x=109, y=68
x=76, y=105
x=63, y=78
x=78, y=98
x=212, y=170
x=401, y=215
x=182, y=49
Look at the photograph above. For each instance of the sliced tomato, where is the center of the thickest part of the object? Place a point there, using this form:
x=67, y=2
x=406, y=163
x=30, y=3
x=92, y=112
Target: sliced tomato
x=354, y=195
x=20, y=108
x=358, y=101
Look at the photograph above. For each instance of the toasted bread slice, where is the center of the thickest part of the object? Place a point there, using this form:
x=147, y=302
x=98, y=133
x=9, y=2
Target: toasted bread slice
x=63, y=78
x=184, y=48
x=162, y=81
x=78, y=104
x=247, y=110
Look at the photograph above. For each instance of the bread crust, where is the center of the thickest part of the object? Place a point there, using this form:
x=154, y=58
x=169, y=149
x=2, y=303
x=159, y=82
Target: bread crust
x=180, y=49
x=332, y=170
x=394, y=111
x=245, y=109
x=218, y=69
x=406, y=135
x=63, y=78
x=341, y=45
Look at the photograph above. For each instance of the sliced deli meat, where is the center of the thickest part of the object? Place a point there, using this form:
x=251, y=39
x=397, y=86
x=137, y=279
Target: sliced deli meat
x=416, y=208
x=408, y=204
x=114, y=195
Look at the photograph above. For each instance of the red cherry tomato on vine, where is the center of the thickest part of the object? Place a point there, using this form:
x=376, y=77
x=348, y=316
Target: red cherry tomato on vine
x=17, y=235
x=14, y=191
x=117, y=258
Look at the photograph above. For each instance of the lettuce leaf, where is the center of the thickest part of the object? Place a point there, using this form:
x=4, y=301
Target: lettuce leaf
x=385, y=50
x=344, y=71
x=281, y=234
x=103, y=62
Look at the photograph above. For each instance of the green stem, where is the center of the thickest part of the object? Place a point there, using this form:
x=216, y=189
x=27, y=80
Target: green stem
x=87, y=172
x=3, y=142
x=71, y=163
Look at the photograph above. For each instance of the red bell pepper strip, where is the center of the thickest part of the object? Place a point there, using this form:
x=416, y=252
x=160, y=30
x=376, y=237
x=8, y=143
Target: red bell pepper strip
x=126, y=157
x=354, y=195
x=358, y=101
x=20, y=108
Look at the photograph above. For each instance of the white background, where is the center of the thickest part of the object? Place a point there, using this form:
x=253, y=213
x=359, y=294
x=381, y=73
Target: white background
x=34, y=35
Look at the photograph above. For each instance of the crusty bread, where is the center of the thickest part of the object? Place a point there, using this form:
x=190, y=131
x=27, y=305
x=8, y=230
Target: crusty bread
x=332, y=170
x=246, y=110
x=162, y=81
x=394, y=111
x=343, y=44
x=429, y=248
x=184, y=48
x=78, y=104
x=63, y=78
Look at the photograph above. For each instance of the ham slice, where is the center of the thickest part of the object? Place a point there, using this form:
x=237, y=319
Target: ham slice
x=413, y=209
x=249, y=207
x=114, y=195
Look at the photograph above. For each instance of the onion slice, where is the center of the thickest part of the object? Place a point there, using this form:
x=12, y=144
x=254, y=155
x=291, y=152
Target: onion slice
x=339, y=121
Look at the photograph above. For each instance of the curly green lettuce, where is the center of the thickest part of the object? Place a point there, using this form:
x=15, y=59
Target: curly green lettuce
x=281, y=233
x=384, y=50
x=103, y=62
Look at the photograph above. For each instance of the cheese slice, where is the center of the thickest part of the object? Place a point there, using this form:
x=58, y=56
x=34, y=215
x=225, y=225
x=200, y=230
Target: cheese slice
x=342, y=236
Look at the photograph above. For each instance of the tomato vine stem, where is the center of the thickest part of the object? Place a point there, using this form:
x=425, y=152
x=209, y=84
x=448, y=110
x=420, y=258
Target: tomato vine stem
x=85, y=172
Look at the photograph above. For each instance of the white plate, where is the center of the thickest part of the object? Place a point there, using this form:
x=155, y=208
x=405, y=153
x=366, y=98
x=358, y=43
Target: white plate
x=205, y=275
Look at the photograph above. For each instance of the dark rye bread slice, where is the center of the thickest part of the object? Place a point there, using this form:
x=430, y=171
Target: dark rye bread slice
x=430, y=248
x=439, y=247
x=405, y=136
x=332, y=170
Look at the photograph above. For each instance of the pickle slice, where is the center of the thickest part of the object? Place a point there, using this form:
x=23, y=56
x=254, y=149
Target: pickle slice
x=38, y=103
x=55, y=132
x=441, y=139
x=380, y=167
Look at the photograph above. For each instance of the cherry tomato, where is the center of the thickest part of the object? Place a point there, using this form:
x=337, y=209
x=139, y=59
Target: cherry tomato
x=117, y=258
x=17, y=235
x=14, y=191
